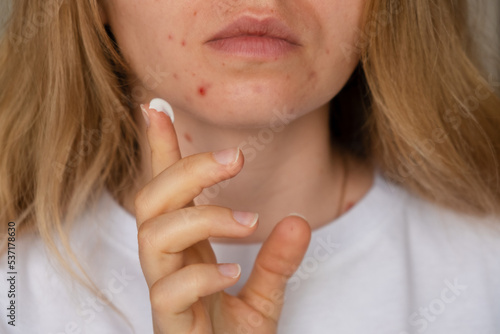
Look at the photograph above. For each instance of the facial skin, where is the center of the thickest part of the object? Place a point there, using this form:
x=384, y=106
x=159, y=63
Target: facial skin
x=223, y=101
x=168, y=37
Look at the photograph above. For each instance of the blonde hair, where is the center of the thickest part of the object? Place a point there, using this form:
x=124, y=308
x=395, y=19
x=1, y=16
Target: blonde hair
x=66, y=122
x=66, y=130
x=435, y=119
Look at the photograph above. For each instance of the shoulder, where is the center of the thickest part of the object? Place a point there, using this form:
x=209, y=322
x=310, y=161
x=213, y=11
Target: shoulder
x=35, y=281
x=443, y=225
x=101, y=239
x=442, y=236
x=423, y=214
x=449, y=260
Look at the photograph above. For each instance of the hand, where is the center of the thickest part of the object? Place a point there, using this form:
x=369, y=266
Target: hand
x=179, y=265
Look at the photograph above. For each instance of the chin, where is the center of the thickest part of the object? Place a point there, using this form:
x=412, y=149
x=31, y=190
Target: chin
x=249, y=111
x=248, y=102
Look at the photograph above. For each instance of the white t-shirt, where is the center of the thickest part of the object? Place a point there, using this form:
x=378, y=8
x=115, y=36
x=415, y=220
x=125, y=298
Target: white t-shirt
x=392, y=264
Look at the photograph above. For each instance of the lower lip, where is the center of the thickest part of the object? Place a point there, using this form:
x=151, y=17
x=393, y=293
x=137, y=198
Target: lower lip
x=253, y=46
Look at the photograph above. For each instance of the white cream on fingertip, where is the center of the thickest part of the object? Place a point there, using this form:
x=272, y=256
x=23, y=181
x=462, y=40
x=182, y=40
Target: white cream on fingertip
x=162, y=106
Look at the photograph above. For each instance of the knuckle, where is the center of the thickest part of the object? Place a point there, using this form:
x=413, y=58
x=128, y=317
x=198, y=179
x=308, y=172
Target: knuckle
x=146, y=235
x=189, y=165
x=191, y=214
x=209, y=175
x=188, y=291
x=157, y=298
x=142, y=204
x=195, y=279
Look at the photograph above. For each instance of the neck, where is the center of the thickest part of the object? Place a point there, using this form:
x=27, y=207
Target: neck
x=288, y=169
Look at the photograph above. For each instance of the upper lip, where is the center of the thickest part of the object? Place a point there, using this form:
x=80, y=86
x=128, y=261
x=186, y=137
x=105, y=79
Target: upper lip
x=248, y=26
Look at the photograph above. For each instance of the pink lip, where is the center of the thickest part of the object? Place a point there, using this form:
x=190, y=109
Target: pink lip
x=249, y=37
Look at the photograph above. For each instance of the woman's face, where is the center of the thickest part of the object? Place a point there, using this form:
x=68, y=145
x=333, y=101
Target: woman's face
x=237, y=62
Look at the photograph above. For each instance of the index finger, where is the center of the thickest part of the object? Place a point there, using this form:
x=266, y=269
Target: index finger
x=161, y=134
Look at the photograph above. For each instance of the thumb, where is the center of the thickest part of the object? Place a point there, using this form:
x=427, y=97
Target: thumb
x=161, y=135
x=279, y=257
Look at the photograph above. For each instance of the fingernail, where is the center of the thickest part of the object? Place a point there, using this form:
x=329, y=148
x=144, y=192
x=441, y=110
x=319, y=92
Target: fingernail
x=163, y=106
x=227, y=157
x=246, y=218
x=145, y=114
x=298, y=215
x=231, y=270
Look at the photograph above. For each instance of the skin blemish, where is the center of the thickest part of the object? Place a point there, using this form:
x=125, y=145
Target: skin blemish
x=288, y=77
x=312, y=76
x=183, y=43
x=176, y=76
x=327, y=51
x=195, y=13
x=188, y=137
x=170, y=37
x=257, y=89
x=202, y=91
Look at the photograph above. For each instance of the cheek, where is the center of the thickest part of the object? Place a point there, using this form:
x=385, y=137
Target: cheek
x=341, y=52
x=158, y=55
x=145, y=30
x=343, y=25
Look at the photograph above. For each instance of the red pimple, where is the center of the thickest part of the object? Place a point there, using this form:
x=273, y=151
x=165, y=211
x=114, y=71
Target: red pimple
x=183, y=43
x=170, y=37
x=176, y=76
x=195, y=13
x=202, y=91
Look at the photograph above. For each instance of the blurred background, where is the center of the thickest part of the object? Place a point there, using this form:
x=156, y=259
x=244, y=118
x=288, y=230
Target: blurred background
x=486, y=22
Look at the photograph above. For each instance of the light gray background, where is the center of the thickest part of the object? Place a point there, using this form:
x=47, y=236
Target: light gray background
x=4, y=10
